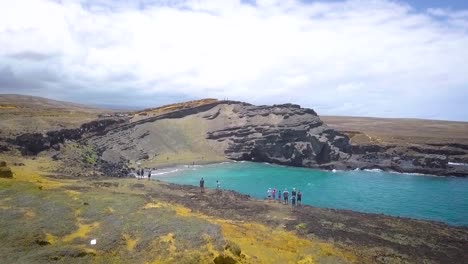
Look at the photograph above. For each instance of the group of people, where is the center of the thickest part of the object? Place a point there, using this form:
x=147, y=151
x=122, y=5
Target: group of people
x=141, y=174
x=202, y=185
x=296, y=196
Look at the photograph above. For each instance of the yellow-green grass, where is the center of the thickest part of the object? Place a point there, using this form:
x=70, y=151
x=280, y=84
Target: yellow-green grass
x=53, y=220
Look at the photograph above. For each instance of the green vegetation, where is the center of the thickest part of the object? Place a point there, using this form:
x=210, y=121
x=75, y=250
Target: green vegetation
x=47, y=220
x=89, y=155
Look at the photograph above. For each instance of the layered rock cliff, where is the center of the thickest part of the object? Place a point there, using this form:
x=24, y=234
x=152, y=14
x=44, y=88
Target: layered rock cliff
x=284, y=134
x=212, y=131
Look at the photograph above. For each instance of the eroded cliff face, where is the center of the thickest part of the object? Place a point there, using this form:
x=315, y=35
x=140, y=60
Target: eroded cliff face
x=284, y=134
x=33, y=143
x=214, y=131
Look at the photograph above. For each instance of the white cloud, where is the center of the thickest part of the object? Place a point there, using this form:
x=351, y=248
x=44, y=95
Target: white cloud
x=378, y=55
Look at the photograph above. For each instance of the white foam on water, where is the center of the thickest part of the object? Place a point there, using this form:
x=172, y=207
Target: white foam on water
x=373, y=170
x=164, y=172
x=457, y=164
x=410, y=173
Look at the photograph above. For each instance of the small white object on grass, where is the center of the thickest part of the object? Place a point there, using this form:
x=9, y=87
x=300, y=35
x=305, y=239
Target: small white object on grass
x=93, y=242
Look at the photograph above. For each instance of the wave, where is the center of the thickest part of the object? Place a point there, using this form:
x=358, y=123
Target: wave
x=164, y=172
x=373, y=170
x=457, y=164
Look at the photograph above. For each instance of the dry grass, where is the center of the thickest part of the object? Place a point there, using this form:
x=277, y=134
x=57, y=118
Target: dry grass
x=20, y=114
x=56, y=223
x=394, y=130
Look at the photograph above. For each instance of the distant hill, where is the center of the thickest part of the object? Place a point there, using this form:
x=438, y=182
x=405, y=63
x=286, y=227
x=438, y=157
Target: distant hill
x=22, y=113
x=399, y=130
x=11, y=101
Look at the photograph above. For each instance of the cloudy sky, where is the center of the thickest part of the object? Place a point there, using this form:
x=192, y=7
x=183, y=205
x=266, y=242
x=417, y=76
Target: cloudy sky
x=359, y=57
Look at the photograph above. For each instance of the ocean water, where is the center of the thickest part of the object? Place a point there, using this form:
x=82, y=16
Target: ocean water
x=442, y=199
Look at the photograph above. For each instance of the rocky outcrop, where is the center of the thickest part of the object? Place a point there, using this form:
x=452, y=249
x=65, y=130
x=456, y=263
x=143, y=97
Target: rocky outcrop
x=33, y=143
x=5, y=171
x=283, y=134
x=424, y=159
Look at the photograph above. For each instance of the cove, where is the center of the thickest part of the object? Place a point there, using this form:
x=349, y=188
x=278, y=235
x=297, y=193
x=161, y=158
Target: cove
x=442, y=199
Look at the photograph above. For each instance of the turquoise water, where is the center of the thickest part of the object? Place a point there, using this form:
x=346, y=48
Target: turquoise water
x=424, y=197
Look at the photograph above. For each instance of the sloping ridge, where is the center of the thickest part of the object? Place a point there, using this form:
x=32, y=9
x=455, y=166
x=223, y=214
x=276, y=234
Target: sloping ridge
x=219, y=130
x=35, y=102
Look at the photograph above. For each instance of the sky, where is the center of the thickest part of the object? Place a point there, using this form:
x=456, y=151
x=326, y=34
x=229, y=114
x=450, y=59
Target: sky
x=356, y=58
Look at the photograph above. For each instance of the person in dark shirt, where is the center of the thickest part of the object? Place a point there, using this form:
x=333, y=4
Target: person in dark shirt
x=299, y=198
x=286, y=196
x=202, y=185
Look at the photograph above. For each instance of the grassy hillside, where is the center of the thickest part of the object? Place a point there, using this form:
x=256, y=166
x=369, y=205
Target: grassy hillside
x=53, y=220
x=21, y=114
x=399, y=130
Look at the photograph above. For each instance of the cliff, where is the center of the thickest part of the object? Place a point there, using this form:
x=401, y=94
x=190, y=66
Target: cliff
x=212, y=131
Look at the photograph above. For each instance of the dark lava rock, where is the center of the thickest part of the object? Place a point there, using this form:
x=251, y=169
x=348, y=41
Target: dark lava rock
x=4, y=147
x=119, y=169
x=431, y=161
x=283, y=134
x=42, y=242
x=33, y=143
x=224, y=259
x=5, y=172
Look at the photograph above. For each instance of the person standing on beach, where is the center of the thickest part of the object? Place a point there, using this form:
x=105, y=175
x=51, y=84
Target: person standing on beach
x=218, y=185
x=286, y=196
x=149, y=175
x=202, y=185
x=279, y=196
x=269, y=193
x=273, y=194
x=299, y=197
x=293, y=201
